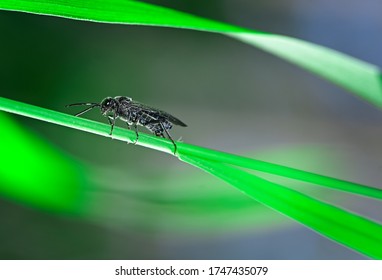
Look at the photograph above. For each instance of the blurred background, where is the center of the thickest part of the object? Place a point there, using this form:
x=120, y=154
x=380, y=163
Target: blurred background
x=136, y=203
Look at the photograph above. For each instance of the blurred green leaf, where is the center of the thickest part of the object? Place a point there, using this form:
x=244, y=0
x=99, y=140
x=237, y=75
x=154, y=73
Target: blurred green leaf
x=361, y=78
x=37, y=174
x=185, y=203
x=191, y=202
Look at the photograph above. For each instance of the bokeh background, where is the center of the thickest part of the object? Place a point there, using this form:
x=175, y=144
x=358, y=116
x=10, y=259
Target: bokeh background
x=141, y=204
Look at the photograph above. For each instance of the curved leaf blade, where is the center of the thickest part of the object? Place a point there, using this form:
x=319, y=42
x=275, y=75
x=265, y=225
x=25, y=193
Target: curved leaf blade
x=347, y=228
x=280, y=170
x=361, y=78
x=185, y=149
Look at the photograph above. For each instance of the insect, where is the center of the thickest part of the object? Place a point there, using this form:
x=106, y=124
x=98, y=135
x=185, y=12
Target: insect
x=134, y=113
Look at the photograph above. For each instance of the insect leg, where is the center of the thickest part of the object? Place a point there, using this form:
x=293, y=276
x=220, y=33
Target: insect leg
x=169, y=136
x=136, y=133
x=111, y=122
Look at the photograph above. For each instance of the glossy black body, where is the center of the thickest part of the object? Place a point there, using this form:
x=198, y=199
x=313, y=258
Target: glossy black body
x=135, y=113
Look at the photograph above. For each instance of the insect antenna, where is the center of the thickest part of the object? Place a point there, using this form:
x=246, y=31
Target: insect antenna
x=92, y=105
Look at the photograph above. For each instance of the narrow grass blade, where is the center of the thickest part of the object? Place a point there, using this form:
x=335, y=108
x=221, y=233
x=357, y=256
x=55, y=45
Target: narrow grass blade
x=166, y=146
x=284, y=171
x=349, y=229
x=363, y=79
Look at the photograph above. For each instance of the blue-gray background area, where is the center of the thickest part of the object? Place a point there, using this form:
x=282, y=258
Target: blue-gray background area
x=233, y=97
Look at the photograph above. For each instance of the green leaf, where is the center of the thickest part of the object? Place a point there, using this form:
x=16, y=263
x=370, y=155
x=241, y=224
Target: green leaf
x=187, y=203
x=36, y=173
x=346, y=228
x=166, y=146
x=280, y=170
x=349, y=229
x=361, y=78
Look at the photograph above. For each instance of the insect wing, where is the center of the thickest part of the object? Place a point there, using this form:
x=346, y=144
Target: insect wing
x=156, y=113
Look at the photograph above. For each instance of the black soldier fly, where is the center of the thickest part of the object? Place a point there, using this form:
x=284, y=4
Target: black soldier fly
x=134, y=113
